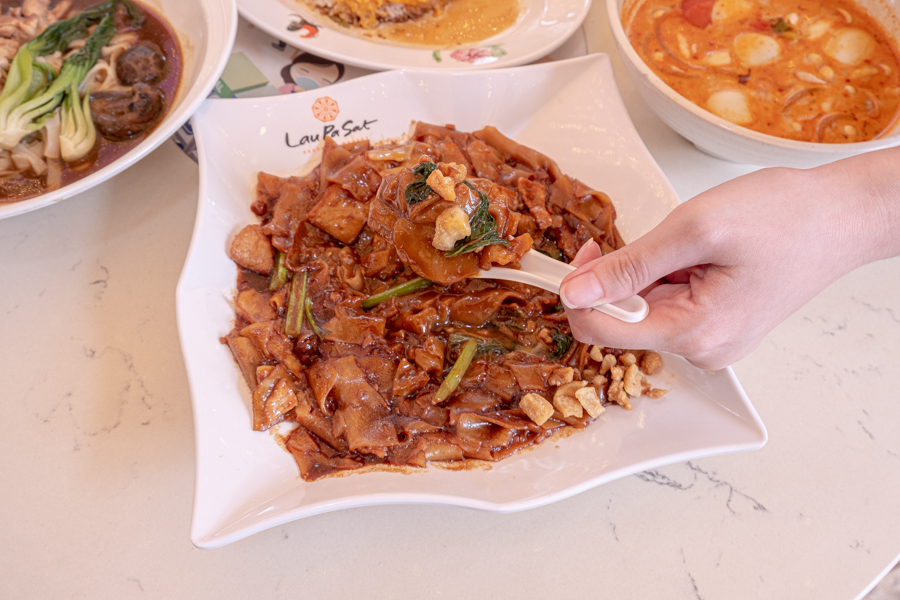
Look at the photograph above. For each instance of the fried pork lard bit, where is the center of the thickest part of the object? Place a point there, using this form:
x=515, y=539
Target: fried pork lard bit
x=373, y=342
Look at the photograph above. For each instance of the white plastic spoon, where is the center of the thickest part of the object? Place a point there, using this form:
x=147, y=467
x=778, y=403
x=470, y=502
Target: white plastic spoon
x=546, y=273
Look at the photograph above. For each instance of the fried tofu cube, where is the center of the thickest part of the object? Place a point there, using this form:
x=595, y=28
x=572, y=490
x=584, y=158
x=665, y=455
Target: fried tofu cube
x=609, y=361
x=656, y=393
x=617, y=394
x=590, y=400
x=536, y=407
x=451, y=226
x=454, y=171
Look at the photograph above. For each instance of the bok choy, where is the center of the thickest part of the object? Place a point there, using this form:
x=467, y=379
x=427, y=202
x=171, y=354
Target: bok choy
x=18, y=120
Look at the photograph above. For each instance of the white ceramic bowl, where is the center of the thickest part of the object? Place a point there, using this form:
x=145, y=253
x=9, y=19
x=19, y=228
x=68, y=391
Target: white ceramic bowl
x=723, y=139
x=570, y=110
x=206, y=30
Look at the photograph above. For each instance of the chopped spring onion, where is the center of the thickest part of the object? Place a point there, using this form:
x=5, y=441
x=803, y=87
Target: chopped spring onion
x=279, y=273
x=408, y=287
x=293, y=321
x=320, y=333
x=451, y=382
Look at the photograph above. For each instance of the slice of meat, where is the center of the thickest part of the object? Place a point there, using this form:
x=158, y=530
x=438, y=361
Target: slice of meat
x=253, y=306
x=142, y=63
x=122, y=115
x=252, y=250
x=338, y=214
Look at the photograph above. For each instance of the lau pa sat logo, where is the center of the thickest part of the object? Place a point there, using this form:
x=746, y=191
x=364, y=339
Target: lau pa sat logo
x=327, y=110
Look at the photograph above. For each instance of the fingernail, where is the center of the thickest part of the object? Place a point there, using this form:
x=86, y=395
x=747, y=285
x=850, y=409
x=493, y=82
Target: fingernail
x=584, y=249
x=581, y=291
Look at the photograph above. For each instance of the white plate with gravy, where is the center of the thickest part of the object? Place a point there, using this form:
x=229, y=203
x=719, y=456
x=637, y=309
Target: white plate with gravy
x=469, y=34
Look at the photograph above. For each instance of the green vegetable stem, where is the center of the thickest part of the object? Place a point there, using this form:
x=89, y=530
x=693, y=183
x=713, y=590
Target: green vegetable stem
x=408, y=287
x=454, y=377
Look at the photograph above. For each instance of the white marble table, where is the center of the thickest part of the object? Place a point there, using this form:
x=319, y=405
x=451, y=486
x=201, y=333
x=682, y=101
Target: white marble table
x=97, y=442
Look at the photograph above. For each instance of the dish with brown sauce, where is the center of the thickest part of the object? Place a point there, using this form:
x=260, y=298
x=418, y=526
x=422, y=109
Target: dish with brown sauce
x=357, y=325
x=427, y=23
x=797, y=69
x=82, y=84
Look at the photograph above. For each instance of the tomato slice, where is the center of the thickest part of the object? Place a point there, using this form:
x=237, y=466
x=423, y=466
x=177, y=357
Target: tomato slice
x=697, y=12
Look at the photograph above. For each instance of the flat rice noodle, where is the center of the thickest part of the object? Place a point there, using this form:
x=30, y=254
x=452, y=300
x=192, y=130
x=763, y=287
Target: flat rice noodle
x=379, y=371
x=472, y=401
x=313, y=463
x=253, y=306
x=247, y=355
x=338, y=214
x=428, y=362
x=306, y=246
x=450, y=152
x=586, y=208
x=439, y=447
x=358, y=178
x=511, y=419
x=509, y=176
x=485, y=160
x=313, y=420
x=429, y=210
x=519, y=443
x=389, y=203
x=500, y=381
x=413, y=426
x=352, y=388
x=531, y=377
x=272, y=399
x=523, y=154
x=419, y=322
x=562, y=191
x=412, y=454
x=381, y=263
x=296, y=199
x=475, y=375
x=421, y=407
x=270, y=339
x=473, y=449
x=534, y=196
x=415, y=250
x=268, y=187
x=424, y=130
x=334, y=157
x=357, y=146
x=477, y=308
x=353, y=326
x=365, y=426
x=408, y=380
x=472, y=427
x=322, y=376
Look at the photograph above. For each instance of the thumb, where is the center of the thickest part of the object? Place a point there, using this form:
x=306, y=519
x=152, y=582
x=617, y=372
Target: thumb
x=630, y=269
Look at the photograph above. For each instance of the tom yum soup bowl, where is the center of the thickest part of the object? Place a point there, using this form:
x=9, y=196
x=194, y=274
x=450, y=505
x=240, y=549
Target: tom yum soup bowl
x=724, y=139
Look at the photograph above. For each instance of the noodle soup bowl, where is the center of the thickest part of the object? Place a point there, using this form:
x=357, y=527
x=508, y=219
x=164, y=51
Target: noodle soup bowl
x=205, y=30
x=723, y=139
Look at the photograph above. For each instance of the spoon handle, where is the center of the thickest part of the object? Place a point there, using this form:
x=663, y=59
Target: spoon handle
x=547, y=273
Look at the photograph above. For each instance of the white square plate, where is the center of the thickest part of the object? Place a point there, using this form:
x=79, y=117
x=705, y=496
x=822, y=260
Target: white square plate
x=571, y=111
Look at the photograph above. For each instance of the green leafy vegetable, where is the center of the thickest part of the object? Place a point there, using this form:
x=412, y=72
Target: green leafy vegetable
x=408, y=287
x=23, y=114
x=562, y=343
x=783, y=28
x=418, y=190
x=454, y=377
x=484, y=229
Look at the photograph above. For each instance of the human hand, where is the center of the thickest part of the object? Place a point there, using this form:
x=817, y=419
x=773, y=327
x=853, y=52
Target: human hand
x=723, y=269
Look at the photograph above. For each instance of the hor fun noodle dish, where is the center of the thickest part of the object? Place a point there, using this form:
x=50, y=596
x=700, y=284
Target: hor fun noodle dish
x=809, y=70
x=432, y=23
x=357, y=323
x=82, y=83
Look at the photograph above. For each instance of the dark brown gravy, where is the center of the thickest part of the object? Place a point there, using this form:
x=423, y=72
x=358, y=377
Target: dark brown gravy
x=15, y=188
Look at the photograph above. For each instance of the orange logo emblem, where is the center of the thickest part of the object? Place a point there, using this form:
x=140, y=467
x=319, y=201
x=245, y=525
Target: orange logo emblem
x=325, y=109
